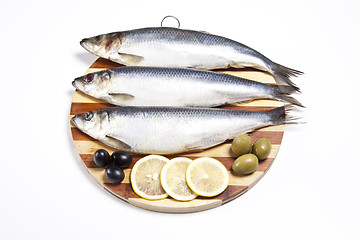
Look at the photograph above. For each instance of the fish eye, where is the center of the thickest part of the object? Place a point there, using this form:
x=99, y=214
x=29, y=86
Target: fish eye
x=88, y=116
x=89, y=77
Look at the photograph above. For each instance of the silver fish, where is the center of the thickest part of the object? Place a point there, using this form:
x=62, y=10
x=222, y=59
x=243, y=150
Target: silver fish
x=182, y=87
x=168, y=130
x=173, y=47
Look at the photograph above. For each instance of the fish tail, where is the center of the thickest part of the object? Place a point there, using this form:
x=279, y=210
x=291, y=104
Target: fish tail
x=282, y=76
x=283, y=92
x=281, y=115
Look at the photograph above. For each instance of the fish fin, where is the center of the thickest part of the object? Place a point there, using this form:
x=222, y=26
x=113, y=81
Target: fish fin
x=193, y=148
x=281, y=115
x=277, y=116
x=292, y=100
x=189, y=149
x=115, y=142
x=202, y=31
x=121, y=97
x=130, y=58
x=282, y=76
x=283, y=94
x=204, y=143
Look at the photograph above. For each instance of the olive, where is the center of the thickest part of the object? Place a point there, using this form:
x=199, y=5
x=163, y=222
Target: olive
x=101, y=158
x=245, y=164
x=262, y=148
x=241, y=144
x=114, y=173
x=121, y=159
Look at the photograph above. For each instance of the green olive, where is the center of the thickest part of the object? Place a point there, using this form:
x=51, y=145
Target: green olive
x=241, y=145
x=262, y=148
x=245, y=164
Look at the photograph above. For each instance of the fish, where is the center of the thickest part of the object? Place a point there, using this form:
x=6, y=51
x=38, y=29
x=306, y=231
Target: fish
x=174, y=47
x=178, y=87
x=170, y=130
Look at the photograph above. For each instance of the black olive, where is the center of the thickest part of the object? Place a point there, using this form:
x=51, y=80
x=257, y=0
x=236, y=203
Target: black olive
x=101, y=158
x=114, y=173
x=121, y=159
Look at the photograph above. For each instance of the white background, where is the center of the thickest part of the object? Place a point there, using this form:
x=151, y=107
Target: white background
x=311, y=190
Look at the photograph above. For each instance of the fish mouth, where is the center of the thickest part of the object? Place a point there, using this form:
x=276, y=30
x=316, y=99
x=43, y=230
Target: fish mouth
x=77, y=85
x=84, y=44
x=73, y=120
x=74, y=84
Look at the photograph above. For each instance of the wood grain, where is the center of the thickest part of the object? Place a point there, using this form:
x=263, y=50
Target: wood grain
x=238, y=185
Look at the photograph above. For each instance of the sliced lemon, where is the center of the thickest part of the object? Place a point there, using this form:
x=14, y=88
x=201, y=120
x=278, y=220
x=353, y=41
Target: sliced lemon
x=145, y=177
x=207, y=176
x=173, y=179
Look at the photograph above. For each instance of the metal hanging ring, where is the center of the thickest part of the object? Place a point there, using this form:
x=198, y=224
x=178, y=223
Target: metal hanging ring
x=169, y=16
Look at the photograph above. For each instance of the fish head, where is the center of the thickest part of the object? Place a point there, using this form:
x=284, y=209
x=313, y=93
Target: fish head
x=94, y=84
x=104, y=45
x=93, y=123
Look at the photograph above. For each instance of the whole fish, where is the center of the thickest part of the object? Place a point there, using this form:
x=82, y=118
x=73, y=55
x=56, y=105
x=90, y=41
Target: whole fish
x=173, y=47
x=183, y=87
x=168, y=130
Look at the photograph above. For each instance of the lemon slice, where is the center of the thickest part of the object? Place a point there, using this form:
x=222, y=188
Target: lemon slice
x=173, y=179
x=207, y=176
x=145, y=177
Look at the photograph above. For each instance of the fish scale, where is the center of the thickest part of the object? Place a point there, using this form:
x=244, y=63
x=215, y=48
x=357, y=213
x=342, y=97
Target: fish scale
x=181, y=87
x=173, y=47
x=169, y=130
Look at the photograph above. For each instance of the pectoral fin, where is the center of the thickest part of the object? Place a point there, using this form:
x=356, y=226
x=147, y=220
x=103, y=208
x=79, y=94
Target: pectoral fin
x=203, y=143
x=130, y=59
x=121, y=97
x=117, y=143
x=204, y=31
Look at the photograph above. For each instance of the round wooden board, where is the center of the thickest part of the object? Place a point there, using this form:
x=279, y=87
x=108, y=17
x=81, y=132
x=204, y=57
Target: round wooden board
x=238, y=185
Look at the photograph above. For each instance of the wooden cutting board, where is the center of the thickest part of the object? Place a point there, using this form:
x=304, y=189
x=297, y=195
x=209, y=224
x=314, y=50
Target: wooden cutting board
x=238, y=185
